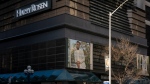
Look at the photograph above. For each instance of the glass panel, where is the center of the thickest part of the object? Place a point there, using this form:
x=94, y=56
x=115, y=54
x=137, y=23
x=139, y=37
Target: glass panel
x=41, y=56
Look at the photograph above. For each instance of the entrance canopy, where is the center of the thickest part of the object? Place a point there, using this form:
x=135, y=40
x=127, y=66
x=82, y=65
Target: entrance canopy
x=52, y=75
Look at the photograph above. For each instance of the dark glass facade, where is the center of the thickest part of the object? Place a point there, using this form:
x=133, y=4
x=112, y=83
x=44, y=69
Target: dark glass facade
x=41, y=56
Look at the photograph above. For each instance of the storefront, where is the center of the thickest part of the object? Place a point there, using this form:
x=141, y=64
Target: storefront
x=62, y=40
x=59, y=76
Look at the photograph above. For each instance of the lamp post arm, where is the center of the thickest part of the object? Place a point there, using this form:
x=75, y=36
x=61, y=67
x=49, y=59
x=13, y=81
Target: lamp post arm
x=119, y=7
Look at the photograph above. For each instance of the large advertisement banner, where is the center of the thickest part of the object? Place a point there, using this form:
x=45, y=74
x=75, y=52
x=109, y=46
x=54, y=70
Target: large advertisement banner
x=80, y=54
x=143, y=64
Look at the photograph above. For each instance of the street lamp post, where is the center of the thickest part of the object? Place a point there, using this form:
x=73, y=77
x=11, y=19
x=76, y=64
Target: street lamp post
x=28, y=72
x=110, y=14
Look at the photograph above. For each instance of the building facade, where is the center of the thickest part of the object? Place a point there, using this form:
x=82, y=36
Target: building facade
x=45, y=34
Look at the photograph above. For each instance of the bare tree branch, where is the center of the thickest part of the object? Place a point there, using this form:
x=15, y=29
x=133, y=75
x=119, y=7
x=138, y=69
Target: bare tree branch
x=124, y=54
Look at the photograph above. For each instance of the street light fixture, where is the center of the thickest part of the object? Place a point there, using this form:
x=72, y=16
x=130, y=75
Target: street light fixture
x=28, y=72
x=110, y=14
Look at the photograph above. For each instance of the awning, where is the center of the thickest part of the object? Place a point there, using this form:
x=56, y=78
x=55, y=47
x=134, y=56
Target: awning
x=52, y=75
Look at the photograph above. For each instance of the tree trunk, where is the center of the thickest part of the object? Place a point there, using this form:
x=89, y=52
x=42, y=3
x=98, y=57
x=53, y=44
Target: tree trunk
x=120, y=81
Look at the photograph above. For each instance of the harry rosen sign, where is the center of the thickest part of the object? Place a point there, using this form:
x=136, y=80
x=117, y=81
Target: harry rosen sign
x=33, y=8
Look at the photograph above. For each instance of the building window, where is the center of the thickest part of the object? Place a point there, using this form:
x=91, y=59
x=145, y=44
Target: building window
x=148, y=0
x=148, y=12
x=148, y=38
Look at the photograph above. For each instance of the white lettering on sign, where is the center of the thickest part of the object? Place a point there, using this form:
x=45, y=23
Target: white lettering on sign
x=32, y=8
